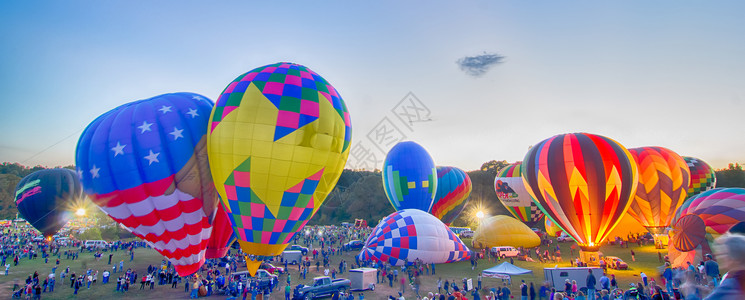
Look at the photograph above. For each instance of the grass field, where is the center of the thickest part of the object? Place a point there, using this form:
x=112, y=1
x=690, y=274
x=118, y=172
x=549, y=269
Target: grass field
x=646, y=261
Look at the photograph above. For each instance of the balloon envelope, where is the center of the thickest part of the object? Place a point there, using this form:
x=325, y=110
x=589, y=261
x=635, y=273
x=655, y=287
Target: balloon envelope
x=514, y=196
x=504, y=231
x=453, y=189
x=690, y=232
x=222, y=235
x=552, y=229
x=409, y=177
x=703, y=177
x=279, y=138
x=663, y=186
x=145, y=164
x=720, y=209
x=582, y=182
x=410, y=234
x=45, y=198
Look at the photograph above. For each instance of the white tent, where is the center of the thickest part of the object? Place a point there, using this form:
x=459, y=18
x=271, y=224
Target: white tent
x=504, y=270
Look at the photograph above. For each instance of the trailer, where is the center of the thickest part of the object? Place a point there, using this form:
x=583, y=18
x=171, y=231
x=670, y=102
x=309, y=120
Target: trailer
x=292, y=257
x=363, y=278
x=557, y=276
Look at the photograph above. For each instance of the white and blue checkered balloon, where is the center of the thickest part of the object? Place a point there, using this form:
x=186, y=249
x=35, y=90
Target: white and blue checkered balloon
x=411, y=234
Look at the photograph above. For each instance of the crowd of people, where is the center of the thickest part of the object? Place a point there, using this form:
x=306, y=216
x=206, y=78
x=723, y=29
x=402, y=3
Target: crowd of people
x=326, y=245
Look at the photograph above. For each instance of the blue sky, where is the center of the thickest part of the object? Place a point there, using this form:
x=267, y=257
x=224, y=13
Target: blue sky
x=662, y=73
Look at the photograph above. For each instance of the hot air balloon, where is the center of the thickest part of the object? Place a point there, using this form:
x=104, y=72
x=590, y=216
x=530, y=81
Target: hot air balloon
x=703, y=177
x=145, y=164
x=279, y=139
x=552, y=229
x=409, y=177
x=222, y=235
x=514, y=196
x=663, y=185
x=504, y=231
x=45, y=198
x=720, y=209
x=584, y=183
x=410, y=234
x=451, y=197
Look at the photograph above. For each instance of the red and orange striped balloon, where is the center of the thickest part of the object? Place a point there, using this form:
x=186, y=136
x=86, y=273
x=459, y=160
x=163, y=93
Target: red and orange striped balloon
x=583, y=182
x=663, y=186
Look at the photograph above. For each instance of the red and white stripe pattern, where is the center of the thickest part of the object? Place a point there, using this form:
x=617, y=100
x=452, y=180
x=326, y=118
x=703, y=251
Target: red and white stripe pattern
x=175, y=225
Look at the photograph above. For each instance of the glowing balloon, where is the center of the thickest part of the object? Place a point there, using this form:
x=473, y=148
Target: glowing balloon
x=720, y=209
x=145, y=164
x=409, y=234
x=222, y=235
x=514, y=196
x=626, y=226
x=46, y=198
x=409, y=177
x=279, y=139
x=453, y=188
x=504, y=231
x=703, y=177
x=663, y=185
x=582, y=182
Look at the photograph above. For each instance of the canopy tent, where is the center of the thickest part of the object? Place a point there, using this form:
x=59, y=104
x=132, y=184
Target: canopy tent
x=505, y=269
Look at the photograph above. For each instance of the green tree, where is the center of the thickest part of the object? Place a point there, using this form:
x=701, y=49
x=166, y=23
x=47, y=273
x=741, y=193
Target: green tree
x=733, y=176
x=92, y=233
x=493, y=166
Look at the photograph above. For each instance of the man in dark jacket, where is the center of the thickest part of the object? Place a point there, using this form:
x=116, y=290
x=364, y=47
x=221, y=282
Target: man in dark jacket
x=590, y=285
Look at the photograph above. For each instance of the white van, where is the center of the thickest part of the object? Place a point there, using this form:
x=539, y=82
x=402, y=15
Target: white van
x=95, y=244
x=467, y=234
x=505, y=251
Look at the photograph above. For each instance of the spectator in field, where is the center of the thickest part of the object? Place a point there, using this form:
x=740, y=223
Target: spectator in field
x=730, y=250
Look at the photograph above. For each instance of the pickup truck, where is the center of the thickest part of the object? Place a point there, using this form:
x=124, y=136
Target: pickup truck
x=322, y=287
x=262, y=277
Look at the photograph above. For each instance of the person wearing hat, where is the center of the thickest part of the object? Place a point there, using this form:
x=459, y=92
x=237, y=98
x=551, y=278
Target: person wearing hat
x=632, y=292
x=401, y=296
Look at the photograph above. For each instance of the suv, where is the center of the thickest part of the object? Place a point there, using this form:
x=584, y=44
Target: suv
x=95, y=244
x=466, y=234
x=505, y=251
x=298, y=248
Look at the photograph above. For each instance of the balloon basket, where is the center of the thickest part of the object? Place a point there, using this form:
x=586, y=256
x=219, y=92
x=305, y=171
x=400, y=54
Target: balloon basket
x=661, y=241
x=590, y=258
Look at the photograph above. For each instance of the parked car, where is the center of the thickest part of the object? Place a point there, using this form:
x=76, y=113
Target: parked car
x=564, y=238
x=354, y=245
x=322, y=287
x=505, y=251
x=262, y=277
x=614, y=262
x=95, y=244
x=271, y=268
x=466, y=234
x=302, y=249
x=538, y=232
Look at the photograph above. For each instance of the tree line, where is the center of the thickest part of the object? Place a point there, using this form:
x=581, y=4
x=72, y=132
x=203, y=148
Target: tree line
x=359, y=194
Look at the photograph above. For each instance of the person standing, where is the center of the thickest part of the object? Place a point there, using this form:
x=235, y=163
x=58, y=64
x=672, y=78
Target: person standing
x=712, y=270
x=644, y=278
x=531, y=292
x=523, y=291
x=633, y=255
x=730, y=250
x=590, y=281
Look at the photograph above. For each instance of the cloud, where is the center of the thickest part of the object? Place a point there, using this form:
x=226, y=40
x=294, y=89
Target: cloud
x=477, y=66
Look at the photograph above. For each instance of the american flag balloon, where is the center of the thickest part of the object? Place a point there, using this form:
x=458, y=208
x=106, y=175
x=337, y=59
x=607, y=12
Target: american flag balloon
x=145, y=165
